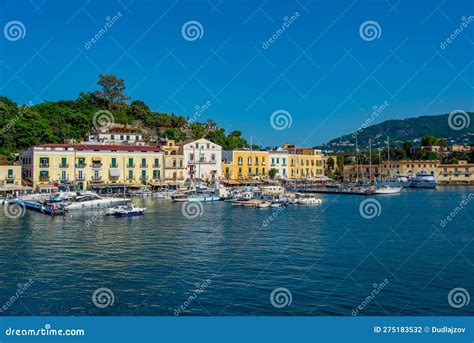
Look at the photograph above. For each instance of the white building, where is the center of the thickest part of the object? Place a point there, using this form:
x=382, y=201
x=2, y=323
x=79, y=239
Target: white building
x=278, y=159
x=110, y=137
x=202, y=159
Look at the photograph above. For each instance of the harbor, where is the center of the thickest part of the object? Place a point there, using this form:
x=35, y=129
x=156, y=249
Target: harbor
x=324, y=254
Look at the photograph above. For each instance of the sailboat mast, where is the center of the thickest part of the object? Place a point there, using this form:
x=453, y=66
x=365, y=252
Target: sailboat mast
x=388, y=156
x=370, y=160
x=357, y=161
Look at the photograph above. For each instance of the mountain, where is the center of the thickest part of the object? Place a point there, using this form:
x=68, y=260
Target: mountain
x=411, y=129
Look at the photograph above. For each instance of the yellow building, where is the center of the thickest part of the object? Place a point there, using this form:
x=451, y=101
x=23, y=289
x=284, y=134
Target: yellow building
x=10, y=180
x=174, y=171
x=461, y=172
x=244, y=164
x=304, y=162
x=91, y=166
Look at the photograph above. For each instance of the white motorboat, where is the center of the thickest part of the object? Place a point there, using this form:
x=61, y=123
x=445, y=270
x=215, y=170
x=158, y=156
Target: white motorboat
x=129, y=211
x=93, y=201
x=387, y=189
x=307, y=199
x=264, y=204
x=204, y=198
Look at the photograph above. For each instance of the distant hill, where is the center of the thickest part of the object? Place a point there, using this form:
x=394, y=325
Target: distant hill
x=411, y=129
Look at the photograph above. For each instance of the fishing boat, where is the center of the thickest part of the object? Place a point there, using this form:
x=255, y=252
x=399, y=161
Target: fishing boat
x=387, y=189
x=423, y=180
x=129, y=211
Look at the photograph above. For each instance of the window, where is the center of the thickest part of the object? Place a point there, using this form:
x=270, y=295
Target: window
x=240, y=161
x=240, y=171
x=63, y=175
x=197, y=145
x=250, y=170
x=114, y=162
x=249, y=161
x=157, y=163
x=227, y=170
x=130, y=162
x=144, y=163
x=44, y=162
x=263, y=170
x=191, y=157
x=213, y=157
x=156, y=174
x=80, y=175
x=96, y=175
x=207, y=145
x=143, y=174
x=10, y=173
x=130, y=174
x=63, y=161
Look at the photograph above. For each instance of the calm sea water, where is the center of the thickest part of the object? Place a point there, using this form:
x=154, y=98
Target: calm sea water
x=327, y=259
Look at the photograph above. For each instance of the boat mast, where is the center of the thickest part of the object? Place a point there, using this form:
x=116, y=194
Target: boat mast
x=388, y=156
x=370, y=160
x=380, y=164
x=357, y=161
x=199, y=170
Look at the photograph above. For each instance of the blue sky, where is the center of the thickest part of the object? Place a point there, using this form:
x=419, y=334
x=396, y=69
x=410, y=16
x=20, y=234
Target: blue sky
x=319, y=69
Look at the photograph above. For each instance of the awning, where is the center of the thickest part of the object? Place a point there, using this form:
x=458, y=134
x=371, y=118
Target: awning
x=14, y=188
x=115, y=172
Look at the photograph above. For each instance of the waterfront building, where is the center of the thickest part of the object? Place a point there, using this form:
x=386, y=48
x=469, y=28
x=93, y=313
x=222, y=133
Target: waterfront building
x=10, y=180
x=88, y=166
x=278, y=160
x=202, y=159
x=461, y=172
x=304, y=163
x=244, y=164
x=174, y=170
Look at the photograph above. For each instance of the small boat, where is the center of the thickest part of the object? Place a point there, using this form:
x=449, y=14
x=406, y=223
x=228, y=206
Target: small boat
x=204, y=198
x=387, y=189
x=401, y=180
x=91, y=201
x=129, y=211
x=307, y=199
x=112, y=210
x=277, y=204
x=179, y=197
x=264, y=204
x=422, y=180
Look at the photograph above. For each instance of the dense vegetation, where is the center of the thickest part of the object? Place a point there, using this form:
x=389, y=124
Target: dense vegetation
x=55, y=122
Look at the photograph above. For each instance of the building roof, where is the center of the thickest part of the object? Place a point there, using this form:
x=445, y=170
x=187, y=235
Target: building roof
x=89, y=147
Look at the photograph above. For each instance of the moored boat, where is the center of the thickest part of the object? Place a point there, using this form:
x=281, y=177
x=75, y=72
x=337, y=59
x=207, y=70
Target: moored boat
x=422, y=180
x=129, y=211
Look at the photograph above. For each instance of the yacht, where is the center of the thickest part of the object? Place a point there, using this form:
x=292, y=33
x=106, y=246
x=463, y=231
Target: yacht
x=92, y=200
x=401, y=180
x=204, y=198
x=129, y=211
x=307, y=199
x=423, y=180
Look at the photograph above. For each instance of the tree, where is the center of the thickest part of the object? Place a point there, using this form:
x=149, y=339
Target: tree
x=442, y=142
x=407, y=145
x=330, y=163
x=272, y=173
x=112, y=90
x=429, y=140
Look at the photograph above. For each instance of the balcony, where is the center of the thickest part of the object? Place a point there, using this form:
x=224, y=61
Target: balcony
x=44, y=178
x=143, y=177
x=156, y=166
x=96, y=178
x=64, y=165
x=44, y=165
x=96, y=165
x=113, y=165
x=131, y=165
x=130, y=177
x=80, y=178
x=113, y=178
x=143, y=165
x=81, y=165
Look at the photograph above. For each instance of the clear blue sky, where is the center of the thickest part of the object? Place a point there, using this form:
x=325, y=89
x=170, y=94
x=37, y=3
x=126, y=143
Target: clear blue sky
x=319, y=69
